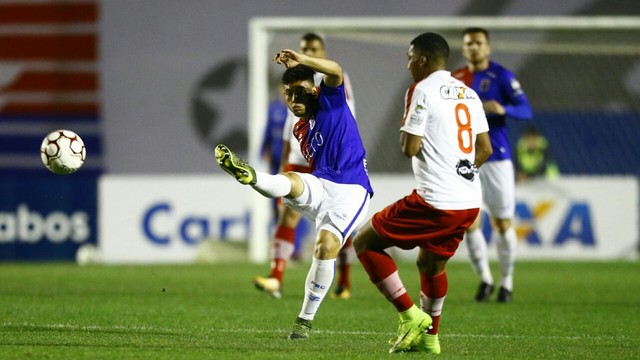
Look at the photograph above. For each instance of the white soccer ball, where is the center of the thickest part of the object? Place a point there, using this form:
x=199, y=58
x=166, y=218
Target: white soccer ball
x=63, y=152
x=88, y=254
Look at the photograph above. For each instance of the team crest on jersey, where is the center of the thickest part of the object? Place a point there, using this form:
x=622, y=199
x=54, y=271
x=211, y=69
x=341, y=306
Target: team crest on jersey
x=515, y=85
x=485, y=84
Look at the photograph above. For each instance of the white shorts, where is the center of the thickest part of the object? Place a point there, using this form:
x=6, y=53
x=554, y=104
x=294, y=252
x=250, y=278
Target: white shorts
x=339, y=208
x=498, y=188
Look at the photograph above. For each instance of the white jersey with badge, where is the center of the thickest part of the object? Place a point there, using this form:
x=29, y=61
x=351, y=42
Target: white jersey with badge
x=447, y=115
x=295, y=155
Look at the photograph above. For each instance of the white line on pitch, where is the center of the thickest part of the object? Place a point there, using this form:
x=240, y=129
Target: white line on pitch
x=265, y=331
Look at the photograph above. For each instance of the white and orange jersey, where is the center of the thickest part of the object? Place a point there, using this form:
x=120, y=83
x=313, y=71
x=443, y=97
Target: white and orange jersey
x=448, y=115
x=295, y=155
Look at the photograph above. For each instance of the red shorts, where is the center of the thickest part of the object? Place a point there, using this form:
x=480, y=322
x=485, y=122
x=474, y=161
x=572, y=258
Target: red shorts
x=411, y=222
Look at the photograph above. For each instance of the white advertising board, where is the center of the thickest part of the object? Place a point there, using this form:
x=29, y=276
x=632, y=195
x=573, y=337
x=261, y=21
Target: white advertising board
x=156, y=219
x=162, y=219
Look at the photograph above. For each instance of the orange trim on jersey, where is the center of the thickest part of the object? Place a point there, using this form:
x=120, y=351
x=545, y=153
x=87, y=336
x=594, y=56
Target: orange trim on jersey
x=408, y=104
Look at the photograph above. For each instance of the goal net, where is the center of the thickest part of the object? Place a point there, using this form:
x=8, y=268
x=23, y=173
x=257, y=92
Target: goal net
x=581, y=75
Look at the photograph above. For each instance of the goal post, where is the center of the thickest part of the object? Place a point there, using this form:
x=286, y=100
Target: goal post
x=373, y=51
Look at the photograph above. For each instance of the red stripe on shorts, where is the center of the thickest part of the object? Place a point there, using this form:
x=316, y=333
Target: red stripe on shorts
x=411, y=222
x=297, y=168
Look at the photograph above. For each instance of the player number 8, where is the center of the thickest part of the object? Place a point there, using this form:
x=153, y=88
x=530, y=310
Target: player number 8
x=464, y=128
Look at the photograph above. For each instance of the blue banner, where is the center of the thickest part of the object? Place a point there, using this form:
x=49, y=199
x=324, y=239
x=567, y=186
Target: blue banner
x=46, y=216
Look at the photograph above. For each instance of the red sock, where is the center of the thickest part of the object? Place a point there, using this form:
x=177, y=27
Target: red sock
x=383, y=272
x=284, y=239
x=433, y=291
x=343, y=276
x=344, y=264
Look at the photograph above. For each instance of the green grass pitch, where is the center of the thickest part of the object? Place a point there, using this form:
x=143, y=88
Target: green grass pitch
x=561, y=310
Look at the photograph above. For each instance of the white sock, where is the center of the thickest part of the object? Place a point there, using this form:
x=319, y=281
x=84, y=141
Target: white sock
x=507, y=255
x=282, y=249
x=272, y=186
x=317, y=285
x=479, y=256
x=433, y=307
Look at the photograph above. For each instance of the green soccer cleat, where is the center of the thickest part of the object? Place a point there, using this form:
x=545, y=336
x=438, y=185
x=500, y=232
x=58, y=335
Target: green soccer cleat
x=300, y=330
x=268, y=285
x=427, y=343
x=412, y=324
x=235, y=166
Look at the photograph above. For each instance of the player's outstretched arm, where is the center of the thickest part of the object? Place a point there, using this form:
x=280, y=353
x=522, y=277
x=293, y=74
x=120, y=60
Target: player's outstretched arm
x=332, y=70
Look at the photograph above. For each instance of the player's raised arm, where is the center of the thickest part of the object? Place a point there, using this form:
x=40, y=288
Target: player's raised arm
x=332, y=70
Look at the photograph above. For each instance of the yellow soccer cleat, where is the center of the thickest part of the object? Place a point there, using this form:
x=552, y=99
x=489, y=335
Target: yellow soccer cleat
x=268, y=285
x=413, y=323
x=341, y=293
x=235, y=166
x=427, y=343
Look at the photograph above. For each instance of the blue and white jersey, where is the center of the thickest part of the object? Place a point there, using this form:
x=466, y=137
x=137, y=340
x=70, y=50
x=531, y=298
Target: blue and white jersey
x=330, y=140
x=499, y=84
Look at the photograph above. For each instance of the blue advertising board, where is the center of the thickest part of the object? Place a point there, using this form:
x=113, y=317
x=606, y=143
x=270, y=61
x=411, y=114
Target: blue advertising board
x=47, y=216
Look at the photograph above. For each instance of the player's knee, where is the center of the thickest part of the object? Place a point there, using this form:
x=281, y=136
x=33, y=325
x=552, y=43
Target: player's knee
x=297, y=185
x=327, y=246
x=362, y=238
x=502, y=225
x=325, y=251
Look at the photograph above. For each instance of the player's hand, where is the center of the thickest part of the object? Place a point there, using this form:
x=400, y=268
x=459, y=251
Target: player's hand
x=288, y=58
x=493, y=107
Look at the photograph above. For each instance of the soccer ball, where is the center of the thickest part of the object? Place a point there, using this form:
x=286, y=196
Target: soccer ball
x=62, y=152
x=88, y=254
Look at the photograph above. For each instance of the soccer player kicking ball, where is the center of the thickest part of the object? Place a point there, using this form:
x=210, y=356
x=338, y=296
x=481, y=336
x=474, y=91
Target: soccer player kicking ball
x=284, y=241
x=337, y=191
x=444, y=132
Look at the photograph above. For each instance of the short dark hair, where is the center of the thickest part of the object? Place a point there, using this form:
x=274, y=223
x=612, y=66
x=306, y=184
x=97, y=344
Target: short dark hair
x=474, y=30
x=297, y=73
x=310, y=36
x=433, y=45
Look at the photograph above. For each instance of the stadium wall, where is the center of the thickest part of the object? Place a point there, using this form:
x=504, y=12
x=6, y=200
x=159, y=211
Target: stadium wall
x=150, y=86
x=151, y=219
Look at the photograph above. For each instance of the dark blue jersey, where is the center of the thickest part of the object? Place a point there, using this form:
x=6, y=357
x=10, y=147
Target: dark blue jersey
x=330, y=140
x=499, y=84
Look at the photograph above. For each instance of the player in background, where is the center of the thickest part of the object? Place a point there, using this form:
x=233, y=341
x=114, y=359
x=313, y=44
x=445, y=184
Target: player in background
x=444, y=132
x=502, y=98
x=285, y=243
x=272, y=139
x=337, y=191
